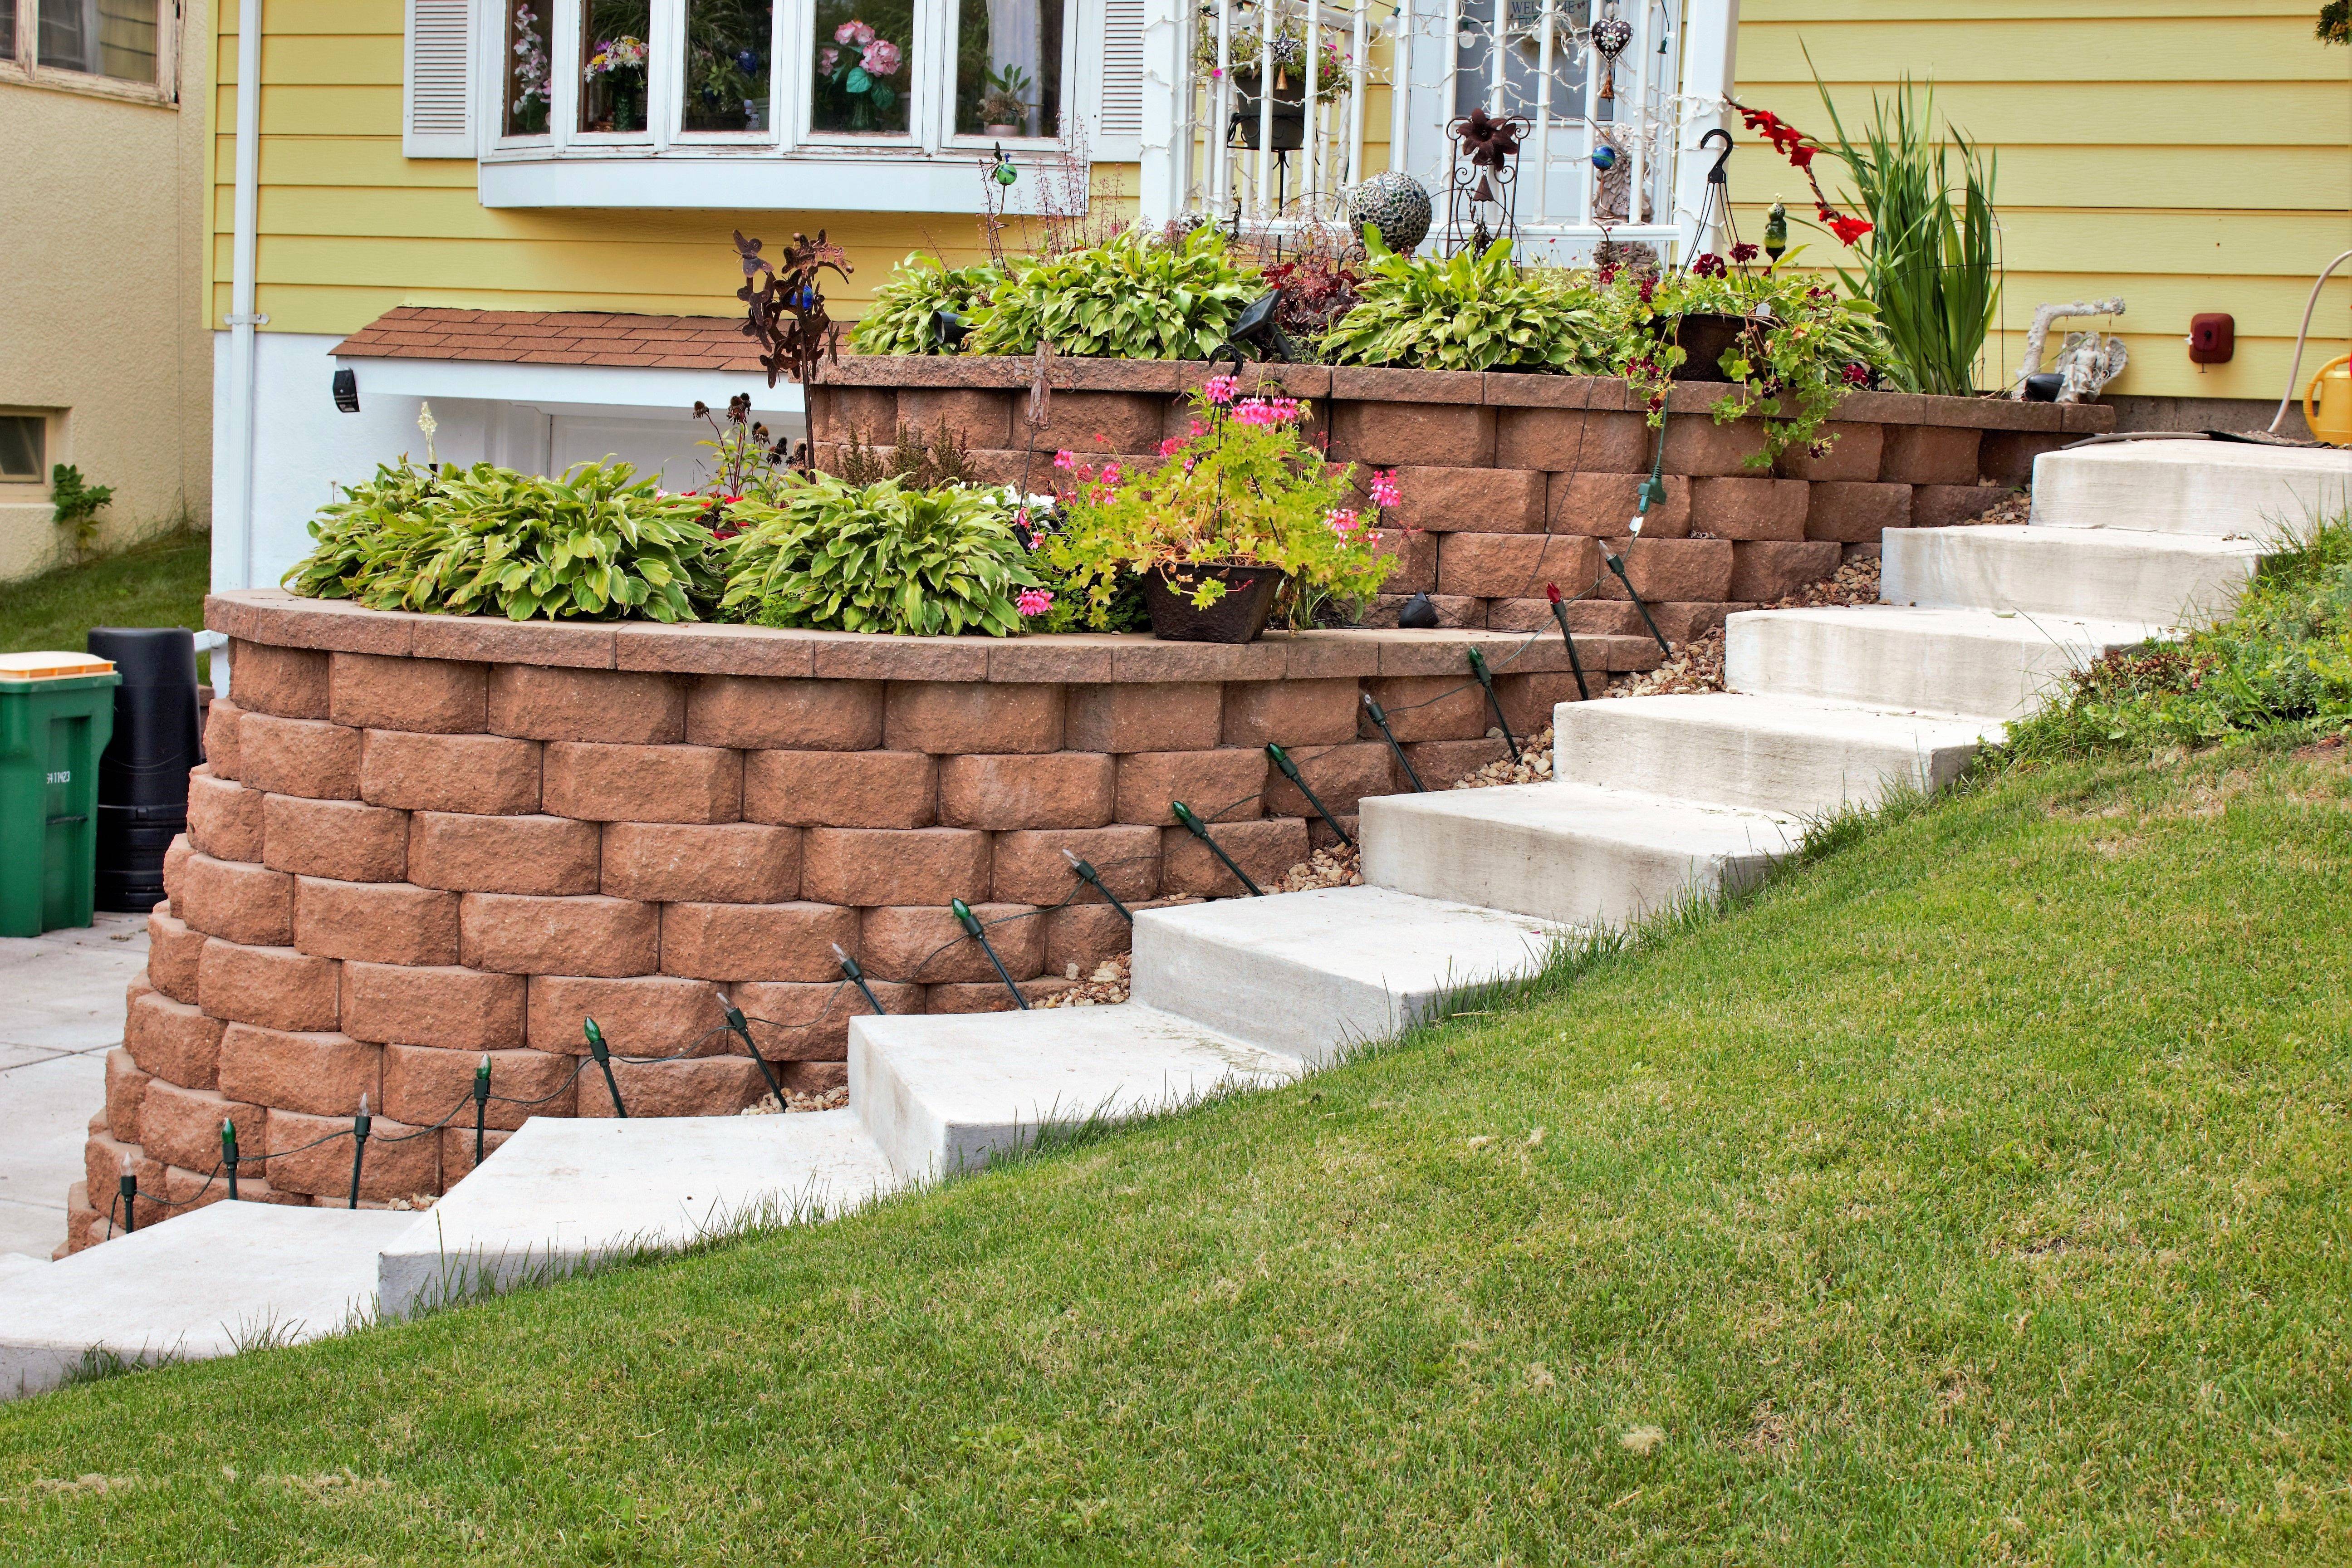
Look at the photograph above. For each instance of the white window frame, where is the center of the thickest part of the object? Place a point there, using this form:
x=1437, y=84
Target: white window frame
x=25, y=68
x=52, y=424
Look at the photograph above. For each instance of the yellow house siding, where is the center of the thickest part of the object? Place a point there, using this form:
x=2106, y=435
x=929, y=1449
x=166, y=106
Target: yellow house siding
x=2185, y=156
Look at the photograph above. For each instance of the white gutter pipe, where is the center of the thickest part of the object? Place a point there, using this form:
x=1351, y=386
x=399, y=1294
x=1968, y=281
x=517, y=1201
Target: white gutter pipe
x=242, y=321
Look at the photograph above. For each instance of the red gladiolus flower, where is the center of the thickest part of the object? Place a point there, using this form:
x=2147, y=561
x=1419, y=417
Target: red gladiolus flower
x=1847, y=229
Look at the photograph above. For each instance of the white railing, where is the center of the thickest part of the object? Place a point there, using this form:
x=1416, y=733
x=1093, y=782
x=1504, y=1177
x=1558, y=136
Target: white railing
x=1218, y=146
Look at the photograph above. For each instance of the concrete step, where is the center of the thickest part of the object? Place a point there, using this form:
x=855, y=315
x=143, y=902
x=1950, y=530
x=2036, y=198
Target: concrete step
x=564, y=1193
x=2220, y=487
x=2111, y=574
x=1310, y=973
x=1984, y=664
x=226, y=1277
x=1793, y=754
x=941, y=1092
x=1567, y=852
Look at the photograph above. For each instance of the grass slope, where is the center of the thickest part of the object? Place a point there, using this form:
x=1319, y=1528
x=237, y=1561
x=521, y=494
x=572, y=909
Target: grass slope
x=1977, y=1194
x=160, y=584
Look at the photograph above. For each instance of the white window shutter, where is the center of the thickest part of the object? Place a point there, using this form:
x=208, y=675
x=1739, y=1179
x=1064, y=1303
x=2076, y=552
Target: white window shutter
x=1117, y=134
x=436, y=100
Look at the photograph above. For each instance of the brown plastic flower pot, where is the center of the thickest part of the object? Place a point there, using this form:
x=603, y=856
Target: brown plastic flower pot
x=1238, y=614
x=1705, y=338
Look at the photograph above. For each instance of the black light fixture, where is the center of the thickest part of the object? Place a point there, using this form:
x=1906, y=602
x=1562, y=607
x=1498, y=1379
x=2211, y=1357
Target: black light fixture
x=1258, y=332
x=1418, y=614
x=949, y=330
x=347, y=391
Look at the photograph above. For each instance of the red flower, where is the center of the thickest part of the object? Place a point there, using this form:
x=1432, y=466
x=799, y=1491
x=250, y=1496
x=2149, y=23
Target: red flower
x=1857, y=374
x=1847, y=229
x=1649, y=289
x=1709, y=264
x=1803, y=156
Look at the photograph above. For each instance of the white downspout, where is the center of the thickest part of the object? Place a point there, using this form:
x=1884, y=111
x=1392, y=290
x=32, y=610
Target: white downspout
x=241, y=319
x=1710, y=67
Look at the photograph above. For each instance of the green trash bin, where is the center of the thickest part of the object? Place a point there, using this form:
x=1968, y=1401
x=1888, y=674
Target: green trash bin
x=54, y=723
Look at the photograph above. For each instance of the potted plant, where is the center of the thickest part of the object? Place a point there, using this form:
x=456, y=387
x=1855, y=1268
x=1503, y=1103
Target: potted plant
x=1004, y=107
x=858, y=65
x=616, y=79
x=1241, y=520
x=1245, y=52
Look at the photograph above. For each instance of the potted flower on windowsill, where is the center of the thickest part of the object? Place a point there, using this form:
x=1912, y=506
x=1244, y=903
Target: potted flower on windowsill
x=1003, y=109
x=615, y=73
x=858, y=65
x=1241, y=520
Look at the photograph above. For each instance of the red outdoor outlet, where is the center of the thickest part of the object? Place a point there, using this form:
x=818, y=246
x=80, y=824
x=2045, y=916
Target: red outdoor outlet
x=2212, y=339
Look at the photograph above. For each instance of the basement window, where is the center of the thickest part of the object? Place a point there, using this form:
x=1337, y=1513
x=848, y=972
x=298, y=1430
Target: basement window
x=114, y=38
x=24, y=443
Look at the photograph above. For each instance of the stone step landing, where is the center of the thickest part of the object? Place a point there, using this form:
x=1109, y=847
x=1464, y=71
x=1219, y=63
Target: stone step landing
x=2227, y=489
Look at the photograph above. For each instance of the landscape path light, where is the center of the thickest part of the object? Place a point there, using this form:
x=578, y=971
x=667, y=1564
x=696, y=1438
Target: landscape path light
x=1199, y=830
x=1381, y=722
x=126, y=1187
x=1290, y=771
x=1093, y=877
x=481, y=1105
x=979, y=933
x=857, y=978
x=1559, y=614
x=604, y=1060
x=1487, y=683
x=228, y=1154
x=359, y=1125
x=742, y=1026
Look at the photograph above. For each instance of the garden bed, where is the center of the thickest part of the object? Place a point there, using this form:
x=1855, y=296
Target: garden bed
x=1511, y=482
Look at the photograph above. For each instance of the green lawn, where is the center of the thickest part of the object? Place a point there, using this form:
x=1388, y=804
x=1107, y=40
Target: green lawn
x=161, y=584
x=1977, y=1194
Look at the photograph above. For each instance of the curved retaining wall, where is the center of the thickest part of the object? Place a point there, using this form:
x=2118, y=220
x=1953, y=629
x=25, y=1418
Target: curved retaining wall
x=1510, y=479
x=421, y=838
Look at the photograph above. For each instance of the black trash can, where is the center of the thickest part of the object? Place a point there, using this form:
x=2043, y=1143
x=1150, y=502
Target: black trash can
x=143, y=778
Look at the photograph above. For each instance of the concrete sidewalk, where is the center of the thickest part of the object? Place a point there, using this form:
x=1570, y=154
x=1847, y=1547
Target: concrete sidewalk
x=60, y=1011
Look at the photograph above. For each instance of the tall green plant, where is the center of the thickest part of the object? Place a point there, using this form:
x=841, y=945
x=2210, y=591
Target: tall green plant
x=1931, y=265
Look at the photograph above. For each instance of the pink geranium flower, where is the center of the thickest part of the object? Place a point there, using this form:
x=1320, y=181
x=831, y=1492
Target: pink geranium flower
x=1220, y=388
x=827, y=59
x=1384, y=487
x=1034, y=602
x=854, y=32
x=882, y=58
x=1343, y=523
x=1066, y=459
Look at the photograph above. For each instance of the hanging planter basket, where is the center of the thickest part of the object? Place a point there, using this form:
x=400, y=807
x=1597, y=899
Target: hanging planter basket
x=1237, y=616
x=1704, y=338
x=1290, y=112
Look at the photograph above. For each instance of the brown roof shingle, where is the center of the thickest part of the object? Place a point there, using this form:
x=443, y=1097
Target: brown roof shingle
x=554, y=337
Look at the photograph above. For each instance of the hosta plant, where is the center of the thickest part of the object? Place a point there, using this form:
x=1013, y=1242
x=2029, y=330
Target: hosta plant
x=1241, y=488
x=900, y=320
x=597, y=543
x=1137, y=296
x=878, y=558
x=1468, y=311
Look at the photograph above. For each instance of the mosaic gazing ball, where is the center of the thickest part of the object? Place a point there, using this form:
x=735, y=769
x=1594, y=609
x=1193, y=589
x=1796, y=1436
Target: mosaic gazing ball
x=1395, y=203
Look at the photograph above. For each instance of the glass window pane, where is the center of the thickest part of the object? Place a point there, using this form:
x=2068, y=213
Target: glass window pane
x=863, y=67
x=7, y=31
x=727, y=65
x=105, y=38
x=20, y=446
x=1009, y=67
x=613, y=64
x=528, y=77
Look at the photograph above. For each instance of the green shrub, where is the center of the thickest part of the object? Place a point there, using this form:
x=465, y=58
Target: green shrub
x=1466, y=312
x=877, y=558
x=2283, y=660
x=899, y=319
x=78, y=504
x=598, y=543
x=1134, y=297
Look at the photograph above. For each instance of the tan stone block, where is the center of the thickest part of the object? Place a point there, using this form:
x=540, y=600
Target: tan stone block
x=1224, y=784
x=173, y=1041
x=1528, y=699
x=1057, y=789
x=1264, y=850
x=838, y=412
x=1570, y=440
x=989, y=995
x=105, y=1158
x=183, y=1127
x=1699, y=445
x=1429, y=707
x=652, y=1015
x=1928, y=455
x=1455, y=611
x=539, y=702
x=479, y=775
x=1085, y=935
x=1415, y=555
x=1503, y=566
x=1947, y=506
x=945, y=717
x=276, y=987
x=978, y=417
x=290, y=682
x=392, y=1166
x=927, y=945
x=1160, y=716
x=423, y=1084
x=841, y=789
x=375, y=922
x=516, y=933
x=1748, y=508
x=220, y=737
x=176, y=856
x=224, y=817
x=1600, y=506
x=1387, y=435
x=2006, y=456
x=433, y=1005
x=1857, y=514
x=126, y=1091
x=174, y=952
x=1761, y=572
x=599, y=783
x=1585, y=617
x=85, y=1227
x=1093, y=424
x=705, y=1085
x=749, y=713
x=1441, y=763
x=735, y=863
x=1291, y=712
x=1853, y=453
x=438, y=696
x=810, y=1022
x=1468, y=501
x=343, y=839
x=318, y=1072
x=232, y=898
x=1340, y=777
x=1030, y=866
x=756, y=942
x=868, y=868
x=1692, y=570
x=457, y=1151
x=298, y=756
x=550, y=855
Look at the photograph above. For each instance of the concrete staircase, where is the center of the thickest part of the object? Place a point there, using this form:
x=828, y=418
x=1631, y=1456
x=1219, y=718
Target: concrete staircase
x=1653, y=800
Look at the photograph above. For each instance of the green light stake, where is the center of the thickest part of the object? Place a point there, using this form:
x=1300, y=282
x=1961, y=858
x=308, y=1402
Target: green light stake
x=481, y=1106
x=1290, y=771
x=1380, y=722
x=228, y=1154
x=857, y=978
x=974, y=930
x=604, y=1060
x=1193, y=825
x=127, y=1185
x=1559, y=614
x=1093, y=878
x=359, y=1125
x=1486, y=680
x=1652, y=491
x=742, y=1029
